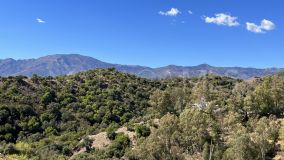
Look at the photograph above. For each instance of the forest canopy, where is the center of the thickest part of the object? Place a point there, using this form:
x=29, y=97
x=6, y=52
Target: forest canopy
x=208, y=117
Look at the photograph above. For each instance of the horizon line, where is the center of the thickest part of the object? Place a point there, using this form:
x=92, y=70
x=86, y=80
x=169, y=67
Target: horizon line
x=167, y=65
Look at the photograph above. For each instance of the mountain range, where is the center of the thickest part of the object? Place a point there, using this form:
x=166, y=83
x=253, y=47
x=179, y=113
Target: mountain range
x=65, y=64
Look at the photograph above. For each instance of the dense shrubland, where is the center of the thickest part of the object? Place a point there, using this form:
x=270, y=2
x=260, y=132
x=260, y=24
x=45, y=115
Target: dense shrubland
x=209, y=117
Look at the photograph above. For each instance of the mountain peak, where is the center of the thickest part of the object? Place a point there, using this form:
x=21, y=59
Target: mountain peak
x=62, y=64
x=56, y=56
x=204, y=65
x=7, y=60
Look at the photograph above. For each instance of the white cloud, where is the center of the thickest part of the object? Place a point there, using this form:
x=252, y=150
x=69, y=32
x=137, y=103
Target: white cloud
x=253, y=28
x=222, y=19
x=171, y=12
x=265, y=25
x=190, y=12
x=40, y=20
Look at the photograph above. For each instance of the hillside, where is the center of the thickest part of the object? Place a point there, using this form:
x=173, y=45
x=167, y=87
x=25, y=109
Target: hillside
x=105, y=114
x=55, y=65
x=58, y=112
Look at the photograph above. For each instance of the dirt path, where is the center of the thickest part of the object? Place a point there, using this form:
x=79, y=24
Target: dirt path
x=101, y=141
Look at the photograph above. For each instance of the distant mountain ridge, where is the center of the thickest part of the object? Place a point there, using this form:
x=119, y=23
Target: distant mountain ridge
x=64, y=64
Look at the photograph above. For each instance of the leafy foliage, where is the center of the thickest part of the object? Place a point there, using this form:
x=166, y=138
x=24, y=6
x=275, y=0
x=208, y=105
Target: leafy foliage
x=208, y=117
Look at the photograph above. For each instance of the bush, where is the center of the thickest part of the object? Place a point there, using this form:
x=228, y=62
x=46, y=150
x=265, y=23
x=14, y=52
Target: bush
x=142, y=131
x=10, y=149
x=111, y=131
x=119, y=145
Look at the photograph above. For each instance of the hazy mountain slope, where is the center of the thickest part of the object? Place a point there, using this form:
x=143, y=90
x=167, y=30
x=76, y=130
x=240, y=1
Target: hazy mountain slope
x=235, y=72
x=60, y=65
x=72, y=63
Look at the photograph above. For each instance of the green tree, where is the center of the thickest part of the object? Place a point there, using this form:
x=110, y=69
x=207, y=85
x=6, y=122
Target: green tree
x=48, y=97
x=119, y=145
x=198, y=127
x=142, y=131
x=163, y=143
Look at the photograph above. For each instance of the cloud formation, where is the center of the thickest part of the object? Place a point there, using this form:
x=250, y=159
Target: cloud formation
x=222, y=19
x=253, y=28
x=190, y=12
x=40, y=20
x=171, y=12
x=265, y=25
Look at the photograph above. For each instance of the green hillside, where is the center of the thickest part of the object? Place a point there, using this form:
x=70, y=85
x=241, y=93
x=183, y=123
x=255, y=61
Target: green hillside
x=211, y=117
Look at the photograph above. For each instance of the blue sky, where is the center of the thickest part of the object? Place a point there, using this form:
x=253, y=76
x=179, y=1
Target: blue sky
x=147, y=32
